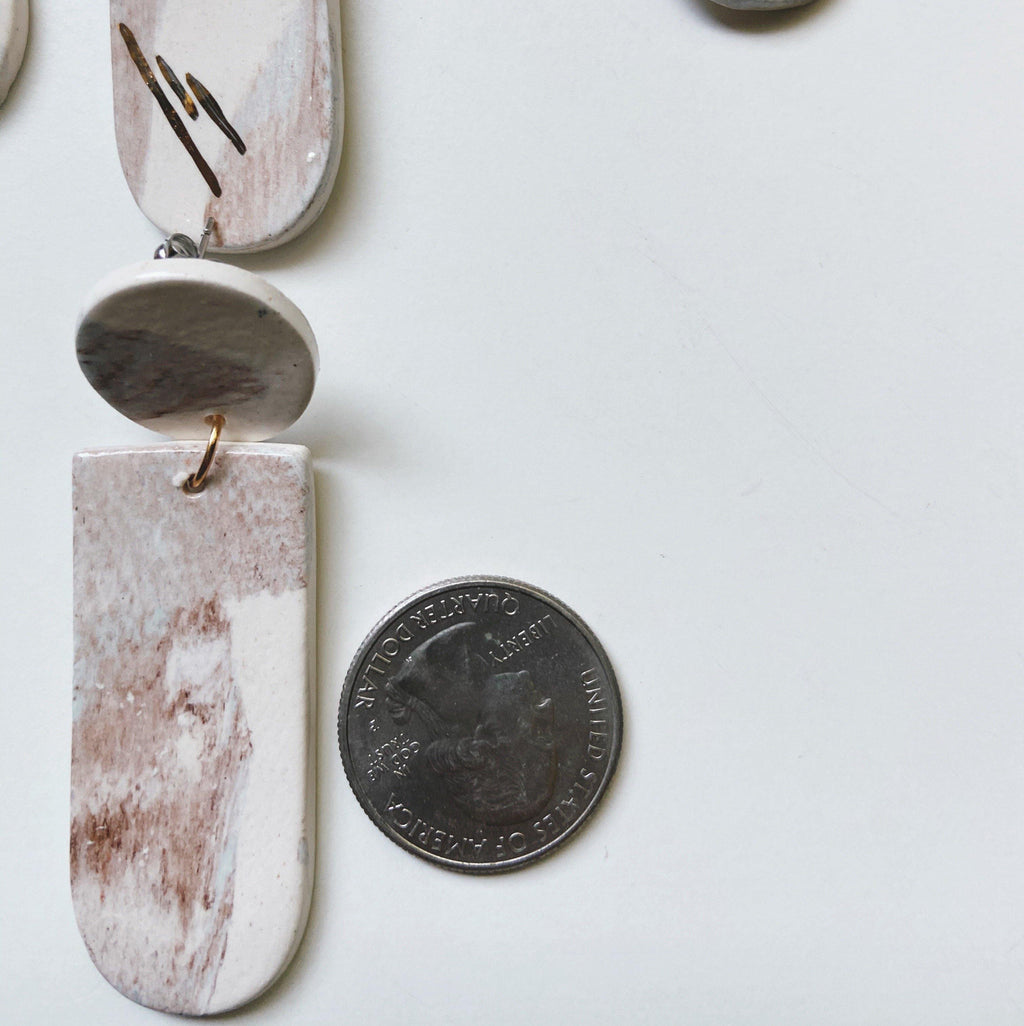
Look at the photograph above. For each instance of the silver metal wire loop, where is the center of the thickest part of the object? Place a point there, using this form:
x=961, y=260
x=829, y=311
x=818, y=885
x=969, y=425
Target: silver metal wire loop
x=181, y=245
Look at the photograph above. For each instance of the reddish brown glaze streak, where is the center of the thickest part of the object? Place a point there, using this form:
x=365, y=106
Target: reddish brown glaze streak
x=166, y=757
x=177, y=88
x=164, y=841
x=213, y=108
x=139, y=59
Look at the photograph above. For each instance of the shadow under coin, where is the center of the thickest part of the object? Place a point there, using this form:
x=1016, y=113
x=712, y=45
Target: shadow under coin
x=760, y=21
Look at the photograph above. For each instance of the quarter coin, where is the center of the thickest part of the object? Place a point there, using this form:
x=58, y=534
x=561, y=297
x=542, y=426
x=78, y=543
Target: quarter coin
x=480, y=724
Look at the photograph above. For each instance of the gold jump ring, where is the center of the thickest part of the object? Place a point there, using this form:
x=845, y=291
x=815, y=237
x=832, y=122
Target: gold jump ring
x=196, y=482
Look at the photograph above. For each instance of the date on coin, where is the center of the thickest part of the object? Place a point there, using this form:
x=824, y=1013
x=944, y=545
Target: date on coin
x=480, y=724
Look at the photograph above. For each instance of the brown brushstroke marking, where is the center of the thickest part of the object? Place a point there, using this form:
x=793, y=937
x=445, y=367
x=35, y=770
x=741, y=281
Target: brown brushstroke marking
x=145, y=836
x=213, y=108
x=177, y=88
x=170, y=113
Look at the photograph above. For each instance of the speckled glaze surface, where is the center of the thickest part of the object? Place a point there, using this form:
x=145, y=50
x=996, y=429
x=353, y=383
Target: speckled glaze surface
x=192, y=822
x=256, y=85
x=13, y=37
x=170, y=342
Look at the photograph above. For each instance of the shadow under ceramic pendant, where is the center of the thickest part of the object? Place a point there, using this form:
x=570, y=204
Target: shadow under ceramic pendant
x=192, y=817
x=762, y=5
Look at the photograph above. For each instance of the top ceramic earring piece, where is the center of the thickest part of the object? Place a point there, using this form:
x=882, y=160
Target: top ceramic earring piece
x=230, y=110
x=13, y=36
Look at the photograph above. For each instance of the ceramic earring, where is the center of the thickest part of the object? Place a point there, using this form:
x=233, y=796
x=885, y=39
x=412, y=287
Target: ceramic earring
x=230, y=110
x=192, y=831
x=192, y=787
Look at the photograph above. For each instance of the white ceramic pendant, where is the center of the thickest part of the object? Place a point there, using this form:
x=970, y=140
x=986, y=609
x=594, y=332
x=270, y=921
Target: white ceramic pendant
x=13, y=37
x=231, y=110
x=192, y=788
x=192, y=754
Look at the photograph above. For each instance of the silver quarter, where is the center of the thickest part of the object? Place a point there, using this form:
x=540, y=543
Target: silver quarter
x=480, y=724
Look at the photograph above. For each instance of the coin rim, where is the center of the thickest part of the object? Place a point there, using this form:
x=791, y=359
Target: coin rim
x=350, y=677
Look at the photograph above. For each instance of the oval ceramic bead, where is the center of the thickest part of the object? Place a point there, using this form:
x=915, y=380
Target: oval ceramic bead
x=231, y=110
x=170, y=342
x=13, y=36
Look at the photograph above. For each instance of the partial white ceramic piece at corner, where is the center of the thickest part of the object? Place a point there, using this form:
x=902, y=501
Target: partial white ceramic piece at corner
x=13, y=37
x=170, y=342
x=192, y=761
x=274, y=69
x=762, y=5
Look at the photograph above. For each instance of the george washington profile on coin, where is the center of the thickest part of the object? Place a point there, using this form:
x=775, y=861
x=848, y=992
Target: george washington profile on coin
x=491, y=734
x=480, y=724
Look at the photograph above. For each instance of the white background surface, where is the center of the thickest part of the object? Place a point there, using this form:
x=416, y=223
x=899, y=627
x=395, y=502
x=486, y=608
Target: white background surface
x=711, y=326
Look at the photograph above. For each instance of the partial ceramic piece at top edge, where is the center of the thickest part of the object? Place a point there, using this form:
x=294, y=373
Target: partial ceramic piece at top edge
x=252, y=89
x=13, y=37
x=169, y=343
x=762, y=5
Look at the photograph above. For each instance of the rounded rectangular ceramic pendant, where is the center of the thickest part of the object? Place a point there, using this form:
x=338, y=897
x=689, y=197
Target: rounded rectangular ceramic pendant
x=231, y=110
x=192, y=765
